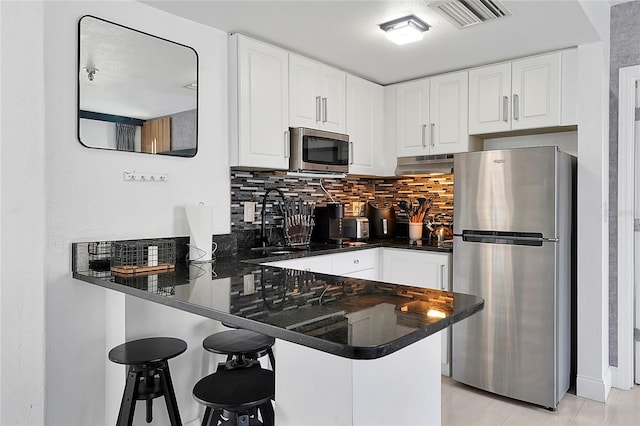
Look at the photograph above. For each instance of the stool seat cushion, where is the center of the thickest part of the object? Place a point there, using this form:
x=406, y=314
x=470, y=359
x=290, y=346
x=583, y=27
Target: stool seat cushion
x=235, y=389
x=143, y=351
x=237, y=342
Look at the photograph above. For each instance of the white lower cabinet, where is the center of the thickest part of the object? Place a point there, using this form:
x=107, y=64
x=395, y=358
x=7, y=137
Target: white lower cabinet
x=419, y=268
x=356, y=264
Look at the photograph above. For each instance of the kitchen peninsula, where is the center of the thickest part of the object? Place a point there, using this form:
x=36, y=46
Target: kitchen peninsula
x=349, y=350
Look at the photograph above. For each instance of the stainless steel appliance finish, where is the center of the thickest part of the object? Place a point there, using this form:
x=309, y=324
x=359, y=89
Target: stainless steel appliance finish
x=439, y=163
x=512, y=246
x=355, y=228
x=318, y=151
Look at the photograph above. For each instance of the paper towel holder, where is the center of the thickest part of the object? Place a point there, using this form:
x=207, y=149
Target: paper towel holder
x=201, y=247
x=214, y=246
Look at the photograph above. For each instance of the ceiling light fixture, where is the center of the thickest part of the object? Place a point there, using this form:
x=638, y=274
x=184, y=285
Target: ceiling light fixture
x=405, y=30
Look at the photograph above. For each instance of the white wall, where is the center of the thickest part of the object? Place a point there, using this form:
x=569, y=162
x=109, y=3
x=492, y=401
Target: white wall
x=22, y=216
x=594, y=379
x=87, y=199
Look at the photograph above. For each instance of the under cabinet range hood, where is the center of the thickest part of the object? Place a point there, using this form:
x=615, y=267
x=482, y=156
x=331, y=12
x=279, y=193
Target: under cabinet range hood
x=423, y=164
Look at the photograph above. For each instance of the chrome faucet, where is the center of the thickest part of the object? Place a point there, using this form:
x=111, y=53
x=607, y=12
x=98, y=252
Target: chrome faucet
x=263, y=239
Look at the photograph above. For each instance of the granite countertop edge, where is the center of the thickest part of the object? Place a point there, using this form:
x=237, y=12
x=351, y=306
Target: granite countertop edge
x=343, y=350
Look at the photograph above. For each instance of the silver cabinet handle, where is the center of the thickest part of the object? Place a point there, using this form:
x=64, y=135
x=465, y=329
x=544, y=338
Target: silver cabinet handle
x=324, y=110
x=431, y=134
x=350, y=152
x=442, y=286
x=505, y=108
x=516, y=108
x=424, y=142
x=287, y=144
x=318, y=110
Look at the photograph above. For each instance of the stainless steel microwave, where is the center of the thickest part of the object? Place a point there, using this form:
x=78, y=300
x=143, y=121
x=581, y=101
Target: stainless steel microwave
x=318, y=151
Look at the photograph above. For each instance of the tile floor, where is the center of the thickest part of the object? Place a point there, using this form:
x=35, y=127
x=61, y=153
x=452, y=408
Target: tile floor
x=464, y=405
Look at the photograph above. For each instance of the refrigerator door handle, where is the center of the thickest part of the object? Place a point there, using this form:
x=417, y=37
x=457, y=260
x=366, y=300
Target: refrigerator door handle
x=505, y=238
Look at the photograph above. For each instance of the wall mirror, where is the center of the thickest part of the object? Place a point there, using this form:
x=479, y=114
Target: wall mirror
x=136, y=92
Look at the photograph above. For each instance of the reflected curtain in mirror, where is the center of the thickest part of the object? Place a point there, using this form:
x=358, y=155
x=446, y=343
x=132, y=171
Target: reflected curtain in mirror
x=136, y=92
x=125, y=137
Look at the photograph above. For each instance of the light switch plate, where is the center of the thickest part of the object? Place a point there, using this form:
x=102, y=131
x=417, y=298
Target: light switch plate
x=249, y=211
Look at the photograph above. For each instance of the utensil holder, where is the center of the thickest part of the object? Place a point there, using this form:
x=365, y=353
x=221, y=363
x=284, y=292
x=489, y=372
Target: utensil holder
x=298, y=222
x=415, y=231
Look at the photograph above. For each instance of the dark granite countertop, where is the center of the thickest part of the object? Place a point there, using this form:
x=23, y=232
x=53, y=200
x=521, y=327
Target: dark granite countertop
x=307, y=308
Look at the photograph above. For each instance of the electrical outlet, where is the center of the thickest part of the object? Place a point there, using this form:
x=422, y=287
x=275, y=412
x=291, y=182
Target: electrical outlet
x=249, y=211
x=249, y=285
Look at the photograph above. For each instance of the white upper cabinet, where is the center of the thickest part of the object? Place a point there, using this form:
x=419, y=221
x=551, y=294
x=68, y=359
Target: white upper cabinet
x=413, y=118
x=259, y=104
x=489, y=99
x=317, y=95
x=522, y=94
x=365, y=126
x=448, y=127
x=535, y=91
x=432, y=115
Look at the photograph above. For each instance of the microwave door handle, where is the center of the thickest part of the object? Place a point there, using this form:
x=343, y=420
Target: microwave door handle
x=287, y=144
x=318, y=109
x=350, y=152
x=324, y=110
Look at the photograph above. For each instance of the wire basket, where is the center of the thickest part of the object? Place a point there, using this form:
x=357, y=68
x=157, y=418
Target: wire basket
x=143, y=256
x=298, y=222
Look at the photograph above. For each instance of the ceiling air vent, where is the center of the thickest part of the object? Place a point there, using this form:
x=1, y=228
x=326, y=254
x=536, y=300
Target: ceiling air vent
x=465, y=13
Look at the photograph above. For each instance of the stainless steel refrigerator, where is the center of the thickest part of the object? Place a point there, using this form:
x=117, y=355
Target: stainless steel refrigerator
x=512, y=246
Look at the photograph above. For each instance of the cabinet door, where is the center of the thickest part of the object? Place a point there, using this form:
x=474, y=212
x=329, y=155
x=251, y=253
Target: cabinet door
x=536, y=95
x=332, y=99
x=490, y=99
x=413, y=118
x=421, y=269
x=261, y=125
x=449, y=98
x=304, y=92
x=416, y=268
x=365, y=126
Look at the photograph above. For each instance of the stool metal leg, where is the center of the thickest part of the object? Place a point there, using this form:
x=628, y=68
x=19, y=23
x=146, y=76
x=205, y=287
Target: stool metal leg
x=169, y=395
x=272, y=359
x=149, y=410
x=268, y=416
x=128, y=404
x=208, y=416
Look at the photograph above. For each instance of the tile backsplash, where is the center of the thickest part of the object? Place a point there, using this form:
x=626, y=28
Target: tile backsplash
x=250, y=186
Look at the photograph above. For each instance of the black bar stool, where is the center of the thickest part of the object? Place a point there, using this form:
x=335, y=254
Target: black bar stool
x=235, y=397
x=148, y=375
x=242, y=347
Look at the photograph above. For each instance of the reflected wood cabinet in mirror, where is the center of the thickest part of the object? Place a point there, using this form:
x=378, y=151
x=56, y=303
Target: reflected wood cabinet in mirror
x=156, y=135
x=136, y=92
